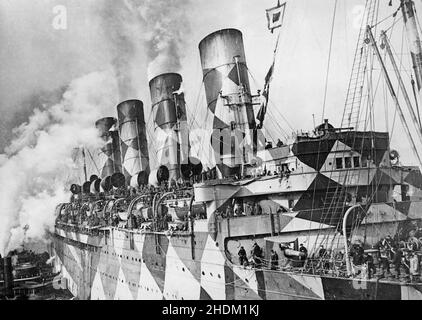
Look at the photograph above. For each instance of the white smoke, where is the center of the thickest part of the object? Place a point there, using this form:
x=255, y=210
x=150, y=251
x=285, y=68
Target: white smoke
x=34, y=177
x=168, y=29
x=35, y=168
x=162, y=26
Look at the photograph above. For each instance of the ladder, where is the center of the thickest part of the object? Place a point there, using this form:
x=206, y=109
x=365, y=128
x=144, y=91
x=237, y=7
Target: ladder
x=335, y=197
x=354, y=97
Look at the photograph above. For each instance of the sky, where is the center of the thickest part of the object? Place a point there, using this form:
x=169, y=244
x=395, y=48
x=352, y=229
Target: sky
x=57, y=81
x=38, y=61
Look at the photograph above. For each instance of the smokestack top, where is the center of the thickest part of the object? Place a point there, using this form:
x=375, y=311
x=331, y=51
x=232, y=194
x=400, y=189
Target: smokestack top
x=130, y=110
x=105, y=122
x=130, y=102
x=104, y=125
x=219, y=49
x=163, y=86
x=222, y=32
x=167, y=75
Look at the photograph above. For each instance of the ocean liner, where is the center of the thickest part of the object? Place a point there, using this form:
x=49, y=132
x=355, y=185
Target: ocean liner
x=330, y=214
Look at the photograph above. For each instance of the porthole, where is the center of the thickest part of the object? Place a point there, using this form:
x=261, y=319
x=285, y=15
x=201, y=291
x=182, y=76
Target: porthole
x=203, y=273
x=183, y=269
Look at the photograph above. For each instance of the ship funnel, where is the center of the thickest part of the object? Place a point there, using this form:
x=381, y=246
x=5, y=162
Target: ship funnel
x=158, y=176
x=118, y=180
x=109, y=154
x=93, y=178
x=95, y=186
x=192, y=168
x=86, y=187
x=75, y=189
x=226, y=81
x=106, y=184
x=170, y=122
x=133, y=142
x=8, y=276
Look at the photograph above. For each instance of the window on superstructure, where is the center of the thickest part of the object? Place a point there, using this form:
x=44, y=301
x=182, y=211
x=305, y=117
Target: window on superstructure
x=348, y=162
x=356, y=162
x=339, y=163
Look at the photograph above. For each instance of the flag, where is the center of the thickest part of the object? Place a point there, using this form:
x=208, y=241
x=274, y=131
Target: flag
x=275, y=16
x=263, y=109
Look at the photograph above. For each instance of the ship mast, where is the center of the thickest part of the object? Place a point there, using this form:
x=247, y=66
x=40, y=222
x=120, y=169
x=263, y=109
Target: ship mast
x=413, y=37
x=393, y=95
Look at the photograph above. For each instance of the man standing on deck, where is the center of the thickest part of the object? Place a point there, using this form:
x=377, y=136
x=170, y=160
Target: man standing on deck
x=384, y=262
x=257, y=255
x=397, y=261
x=242, y=256
x=304, y=251
x=274, y=260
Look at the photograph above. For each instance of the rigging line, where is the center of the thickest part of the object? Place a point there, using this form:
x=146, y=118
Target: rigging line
x=270, y=101
x=406, y=71
x=200, y=88
x=92, y=159
x=385, y=96
x=394, y=23
x=329, y=60
x=194, y=114
x=276, y=124
x=386, y=106
x=394, y=14
x=400, y=69
x=380, y=75
x=280, y=114
x=394, y=96
x=403, y=88
x=397, y=90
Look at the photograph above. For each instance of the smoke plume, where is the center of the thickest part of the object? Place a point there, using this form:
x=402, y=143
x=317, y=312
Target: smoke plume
x=144, y=32
x=34, y=174
x=131, y=39
x=167, y=27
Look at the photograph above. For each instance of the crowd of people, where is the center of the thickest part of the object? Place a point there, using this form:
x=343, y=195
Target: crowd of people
x=390, y=258
x=256, y=256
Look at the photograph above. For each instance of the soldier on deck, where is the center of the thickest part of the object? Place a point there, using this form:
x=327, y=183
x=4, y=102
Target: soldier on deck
x=242, y=256
x=414, y=267
x=257, y=255
x=229, y=211
x=304, y=251
x=257, y=209
x=274, y=260
x=279, y=143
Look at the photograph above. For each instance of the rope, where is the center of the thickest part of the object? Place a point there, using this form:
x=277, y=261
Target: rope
x=329, y=60
x=92, y=159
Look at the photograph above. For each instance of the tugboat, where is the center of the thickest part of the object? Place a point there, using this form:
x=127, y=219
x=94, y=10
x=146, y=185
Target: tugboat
x=329, y=214
x=28, y=275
